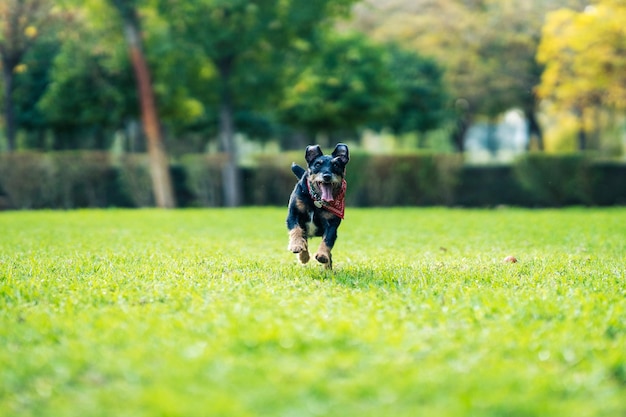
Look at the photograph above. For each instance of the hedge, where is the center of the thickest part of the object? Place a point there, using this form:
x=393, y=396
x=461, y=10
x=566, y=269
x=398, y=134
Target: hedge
x=65, y=180
x=31, y=180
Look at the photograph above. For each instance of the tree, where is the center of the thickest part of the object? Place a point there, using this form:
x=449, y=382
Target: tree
x=94, y=90
x=242, y=38
x=487, y=49
x=89, y=92
x=159, y=167
x=348, y=85
x=21, y=22
x=585, y=60
x=89, y=99
x=32, y=79
x=419, y=80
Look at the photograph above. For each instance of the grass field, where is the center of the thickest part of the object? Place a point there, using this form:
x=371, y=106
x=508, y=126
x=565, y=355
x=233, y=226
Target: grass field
x=205, y=313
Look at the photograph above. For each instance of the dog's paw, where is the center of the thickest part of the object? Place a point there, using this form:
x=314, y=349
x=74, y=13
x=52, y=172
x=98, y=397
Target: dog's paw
x=321, y=258
x=304, y=256
x=325, y=259
x=297, y=241
x=323, y=255
x=297, y=246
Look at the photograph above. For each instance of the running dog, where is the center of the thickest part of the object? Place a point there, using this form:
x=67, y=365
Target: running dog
x=316, y=205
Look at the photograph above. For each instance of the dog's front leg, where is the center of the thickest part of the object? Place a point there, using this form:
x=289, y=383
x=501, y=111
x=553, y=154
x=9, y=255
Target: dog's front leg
x=323, y=254
x=298, y=241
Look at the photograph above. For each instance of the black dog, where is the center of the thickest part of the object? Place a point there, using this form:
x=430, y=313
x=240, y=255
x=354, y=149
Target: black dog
x=316, y=205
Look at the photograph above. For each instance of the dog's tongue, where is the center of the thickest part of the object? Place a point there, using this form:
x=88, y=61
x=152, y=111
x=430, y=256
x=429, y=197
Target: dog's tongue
x=327, y=191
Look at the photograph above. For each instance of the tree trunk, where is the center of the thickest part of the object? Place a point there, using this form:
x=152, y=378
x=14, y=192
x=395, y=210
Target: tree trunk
x=490, y=141
x=231, y=177
x=582, y=138
x=159, y=167
x=534, y=129
x=582, y=134
x=463, y=123
x=9, y=113
x=458, y=135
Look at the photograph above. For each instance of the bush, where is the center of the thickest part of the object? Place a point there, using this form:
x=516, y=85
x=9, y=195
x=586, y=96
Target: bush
x=81, y=178
x=403, y=180
x=27, y=179
x=271, y=181
x=204, y=178
x=135, y=179
x=555, y=180
x=33, y=180
x=65, y=180
x=489, y=186
x=609, y=183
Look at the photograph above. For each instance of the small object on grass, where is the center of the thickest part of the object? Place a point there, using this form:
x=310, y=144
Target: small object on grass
x=510, y=259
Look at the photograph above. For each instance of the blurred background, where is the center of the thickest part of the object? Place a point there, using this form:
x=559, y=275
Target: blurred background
x=178, y=103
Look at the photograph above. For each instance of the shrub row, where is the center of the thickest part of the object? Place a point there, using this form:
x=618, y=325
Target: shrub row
x=31, y=180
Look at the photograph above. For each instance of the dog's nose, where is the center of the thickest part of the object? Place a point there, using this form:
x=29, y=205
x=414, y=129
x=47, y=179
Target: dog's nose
x=327, y=177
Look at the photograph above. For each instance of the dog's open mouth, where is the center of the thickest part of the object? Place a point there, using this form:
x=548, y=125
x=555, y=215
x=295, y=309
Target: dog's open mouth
x=326, y=188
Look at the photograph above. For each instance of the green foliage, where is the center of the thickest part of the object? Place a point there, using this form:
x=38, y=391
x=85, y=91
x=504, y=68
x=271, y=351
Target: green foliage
x=204, y=178
x=95, y=179
x=80, y=178
x=27, y=179
x=126, y=8
x=268, y=182
x=184, y=80
x=135, y=180
x=247, y=41
x=609, y=186
x=89, y=90
x=556, y=179
x=399, y=180
x=348, y=85
x=87, y=95
x=21, y=23
x=424, y=98
x=32, y=83
x=487, y=48
x=198, y=51
x=196, y=312
x=248, y=45
x=66, y=180
x=491, y=186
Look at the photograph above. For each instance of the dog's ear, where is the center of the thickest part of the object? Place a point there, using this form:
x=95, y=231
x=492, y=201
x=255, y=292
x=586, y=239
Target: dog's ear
x=341, y=152
x=312, y=153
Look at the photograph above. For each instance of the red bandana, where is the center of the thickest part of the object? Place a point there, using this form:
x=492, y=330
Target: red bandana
x=337, y=206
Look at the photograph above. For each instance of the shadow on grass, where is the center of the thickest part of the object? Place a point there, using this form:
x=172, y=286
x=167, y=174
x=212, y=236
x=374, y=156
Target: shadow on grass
x=358, y=276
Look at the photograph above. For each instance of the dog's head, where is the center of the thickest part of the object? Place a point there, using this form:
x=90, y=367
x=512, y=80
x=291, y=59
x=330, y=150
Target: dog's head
x=326, y=172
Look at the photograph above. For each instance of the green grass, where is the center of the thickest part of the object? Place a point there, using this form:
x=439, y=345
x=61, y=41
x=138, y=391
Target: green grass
x=205, y=313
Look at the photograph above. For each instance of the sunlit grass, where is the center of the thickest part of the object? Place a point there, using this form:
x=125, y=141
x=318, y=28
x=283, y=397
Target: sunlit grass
x=205, y=312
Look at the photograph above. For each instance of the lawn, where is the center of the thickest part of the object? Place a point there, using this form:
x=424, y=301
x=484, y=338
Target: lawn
x=205, y=313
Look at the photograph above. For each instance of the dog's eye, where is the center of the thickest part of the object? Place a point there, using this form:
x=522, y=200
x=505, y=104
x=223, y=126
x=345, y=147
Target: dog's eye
x=317, y=164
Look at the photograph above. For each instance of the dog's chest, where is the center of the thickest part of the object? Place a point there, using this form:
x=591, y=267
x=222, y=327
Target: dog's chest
x=311, y=227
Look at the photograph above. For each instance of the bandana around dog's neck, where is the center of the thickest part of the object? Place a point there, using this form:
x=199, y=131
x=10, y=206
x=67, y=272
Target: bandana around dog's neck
x=336, y=206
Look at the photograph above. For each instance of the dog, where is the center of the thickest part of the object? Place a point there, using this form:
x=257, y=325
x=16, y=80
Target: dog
x=316, y=205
